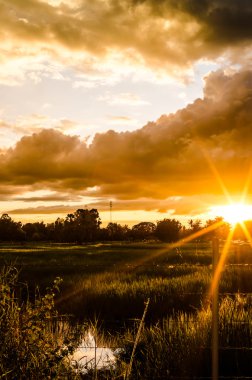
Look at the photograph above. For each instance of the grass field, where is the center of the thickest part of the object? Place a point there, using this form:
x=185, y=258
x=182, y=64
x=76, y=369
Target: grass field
x=111, y=282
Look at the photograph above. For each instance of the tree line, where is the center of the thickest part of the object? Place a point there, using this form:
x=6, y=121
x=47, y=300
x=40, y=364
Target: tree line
x=85, y=226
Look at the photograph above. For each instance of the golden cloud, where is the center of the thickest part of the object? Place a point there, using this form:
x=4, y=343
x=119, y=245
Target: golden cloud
x=164, y=35
x=181, y=205
x=177, y=155
x=177, y=206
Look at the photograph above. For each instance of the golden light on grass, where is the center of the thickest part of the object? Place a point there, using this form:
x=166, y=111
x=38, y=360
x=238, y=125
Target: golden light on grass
x=233, y=213
x=221, y=262
x=155, y=255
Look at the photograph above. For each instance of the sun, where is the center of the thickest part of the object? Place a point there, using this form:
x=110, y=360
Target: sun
x=234, y=213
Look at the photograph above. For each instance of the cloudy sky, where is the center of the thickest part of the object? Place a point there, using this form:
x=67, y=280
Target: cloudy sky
x=144, y=103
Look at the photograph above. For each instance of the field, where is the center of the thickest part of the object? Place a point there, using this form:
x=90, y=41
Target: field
x=110, y=283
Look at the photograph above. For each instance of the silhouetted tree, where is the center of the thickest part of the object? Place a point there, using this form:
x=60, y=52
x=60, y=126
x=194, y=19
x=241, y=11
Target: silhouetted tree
x=195, y=225
x=143, y=230
x=35, y=231
x=221, y=229
x=59, y=229
x=82, y=226
x=115, y=231
x=10, y=230
x=69, y=229
x=168, y=230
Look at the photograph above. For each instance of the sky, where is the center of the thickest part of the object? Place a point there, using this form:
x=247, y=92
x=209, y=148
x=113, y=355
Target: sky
x=144, y=103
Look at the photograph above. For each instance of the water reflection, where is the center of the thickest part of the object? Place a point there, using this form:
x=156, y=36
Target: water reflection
x=89, y=356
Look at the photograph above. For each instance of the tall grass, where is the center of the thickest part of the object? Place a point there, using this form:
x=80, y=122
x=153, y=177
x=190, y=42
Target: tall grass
x=104, y=282
x=120, y=296
x=180, y=346
x=34, y=344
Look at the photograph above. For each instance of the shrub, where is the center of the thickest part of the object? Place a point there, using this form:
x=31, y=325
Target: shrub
x=32, y=346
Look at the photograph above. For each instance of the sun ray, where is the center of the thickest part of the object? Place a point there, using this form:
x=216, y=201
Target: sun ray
x=217, y=176
x=234, y=213
x=247, y=185
x=181, y=242
x=213, y=168
x=221, y=263
x=222, y=184
x=135, y=264
x=246, y=233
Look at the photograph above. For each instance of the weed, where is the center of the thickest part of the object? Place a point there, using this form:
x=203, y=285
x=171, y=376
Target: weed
x=31, y=346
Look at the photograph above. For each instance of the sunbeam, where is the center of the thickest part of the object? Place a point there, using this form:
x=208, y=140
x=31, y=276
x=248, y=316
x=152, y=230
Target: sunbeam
x=134, y=265
x=246, y=233
x=247, y=185
x=221, y=263
x=234, y=213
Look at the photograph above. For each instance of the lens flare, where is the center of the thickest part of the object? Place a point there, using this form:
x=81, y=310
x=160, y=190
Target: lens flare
x=233, y=213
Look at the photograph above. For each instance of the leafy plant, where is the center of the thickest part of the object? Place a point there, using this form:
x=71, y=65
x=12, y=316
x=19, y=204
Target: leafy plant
x=32, y=343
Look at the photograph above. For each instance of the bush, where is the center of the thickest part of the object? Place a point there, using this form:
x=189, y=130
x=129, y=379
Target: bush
x=32, y=346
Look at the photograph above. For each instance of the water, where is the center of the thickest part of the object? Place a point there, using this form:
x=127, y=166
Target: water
x=88, y=356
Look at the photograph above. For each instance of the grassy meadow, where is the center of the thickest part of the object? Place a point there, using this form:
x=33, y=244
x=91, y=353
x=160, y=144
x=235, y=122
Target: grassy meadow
x=109, y=283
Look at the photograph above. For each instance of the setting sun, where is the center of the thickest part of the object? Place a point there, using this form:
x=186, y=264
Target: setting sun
x=234, y=213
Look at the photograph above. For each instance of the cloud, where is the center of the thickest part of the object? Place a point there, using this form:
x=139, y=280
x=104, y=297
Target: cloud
x=21, y=62
x=101, y=37
x=172, y=206
x=55, y=197
x=122, y=122
x=124, y=98
x=33, y=123
x=59, y=209
x=178, y=155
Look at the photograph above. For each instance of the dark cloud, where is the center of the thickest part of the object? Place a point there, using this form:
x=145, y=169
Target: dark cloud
x=44, y=156
x=164, y=34
x=222, y=21
x=176, y=155
x=59, y=209
x=49, y=198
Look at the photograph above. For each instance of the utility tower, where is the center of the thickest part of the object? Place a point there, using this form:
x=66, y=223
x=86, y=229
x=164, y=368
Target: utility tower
x=110, y=210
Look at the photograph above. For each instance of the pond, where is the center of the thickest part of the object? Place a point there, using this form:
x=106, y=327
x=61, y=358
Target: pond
x=91, y=356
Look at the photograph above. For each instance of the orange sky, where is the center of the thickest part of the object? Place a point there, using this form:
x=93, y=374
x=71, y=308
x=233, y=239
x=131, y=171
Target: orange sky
x=144, y=103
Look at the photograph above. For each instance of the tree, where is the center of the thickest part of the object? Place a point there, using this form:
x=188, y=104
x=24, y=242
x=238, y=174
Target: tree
x=168, y=230
x=116, y=231
x=143, y=230
x=82, y=226
x=10, y=230
x=195, y=225
x=221, y=230
x=87, y=223
x=56, y=230
x=35, y=231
